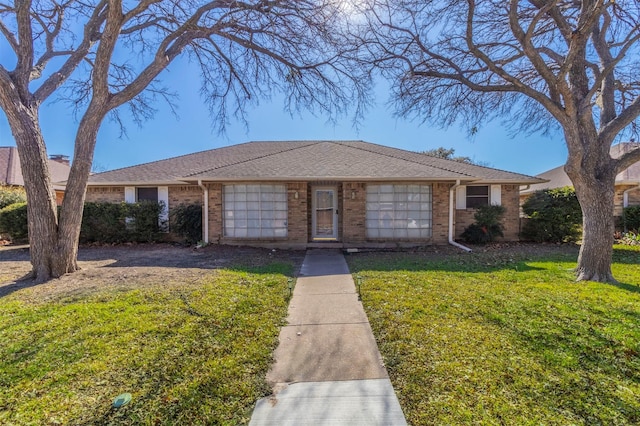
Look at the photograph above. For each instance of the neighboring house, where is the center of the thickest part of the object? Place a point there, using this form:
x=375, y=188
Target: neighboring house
x=11, y=173
x=627, y=184
x=315, y=193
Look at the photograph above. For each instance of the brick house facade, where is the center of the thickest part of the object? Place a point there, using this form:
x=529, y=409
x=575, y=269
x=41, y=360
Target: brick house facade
x=275, y=194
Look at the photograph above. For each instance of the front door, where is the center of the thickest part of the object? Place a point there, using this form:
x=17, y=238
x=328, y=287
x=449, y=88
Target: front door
x=325, y=214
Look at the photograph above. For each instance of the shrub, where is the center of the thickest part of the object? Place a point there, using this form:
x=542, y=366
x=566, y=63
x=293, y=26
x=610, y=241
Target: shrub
x=629, y=238
x=631, y=218
x=487, y=226
x=14, y=222
x=554, y=216
x=118, y=223
x=11, y=195
x=186, y=221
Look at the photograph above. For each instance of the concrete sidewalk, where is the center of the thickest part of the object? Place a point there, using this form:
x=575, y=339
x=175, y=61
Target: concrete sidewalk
x=327, y=370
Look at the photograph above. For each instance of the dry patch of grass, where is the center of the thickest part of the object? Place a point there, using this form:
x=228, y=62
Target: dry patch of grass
x=506, y=338
x=190, y=352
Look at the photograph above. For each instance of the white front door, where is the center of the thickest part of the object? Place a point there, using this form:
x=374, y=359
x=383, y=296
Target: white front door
x=325, y=213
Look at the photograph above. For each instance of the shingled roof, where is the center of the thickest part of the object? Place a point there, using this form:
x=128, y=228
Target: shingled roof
x=304, y=160
x=11, y=173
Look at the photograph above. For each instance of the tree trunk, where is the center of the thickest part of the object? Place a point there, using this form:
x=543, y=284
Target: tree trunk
x=41, y=199
x=594, y=260
x=53, y=239
x=595, y=191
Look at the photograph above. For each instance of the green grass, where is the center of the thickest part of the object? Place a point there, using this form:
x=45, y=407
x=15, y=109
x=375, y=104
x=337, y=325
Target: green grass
x=189, y=354
x=506, y=339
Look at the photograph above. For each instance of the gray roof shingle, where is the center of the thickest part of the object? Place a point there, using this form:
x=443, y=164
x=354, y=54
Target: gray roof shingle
x=305, y=160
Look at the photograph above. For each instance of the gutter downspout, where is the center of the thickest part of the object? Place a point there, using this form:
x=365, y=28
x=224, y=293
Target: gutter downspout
x=625, y=203
x=205, y=216
x=452, y=205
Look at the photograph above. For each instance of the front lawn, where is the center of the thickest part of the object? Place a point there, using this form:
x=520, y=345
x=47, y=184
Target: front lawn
x=502, y=337
x=189, y=352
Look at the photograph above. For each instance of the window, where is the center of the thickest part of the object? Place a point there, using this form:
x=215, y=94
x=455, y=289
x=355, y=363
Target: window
x=147, y=194
x=472, y=197
x=477, y=196
x=398, y=211
x=255, y=211
x=157, y=194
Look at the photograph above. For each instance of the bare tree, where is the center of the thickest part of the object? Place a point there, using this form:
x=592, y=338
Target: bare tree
x=538, y=65
x=103, y=55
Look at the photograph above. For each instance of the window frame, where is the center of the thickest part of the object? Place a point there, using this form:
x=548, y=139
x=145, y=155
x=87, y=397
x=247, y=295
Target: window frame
x=244, y=219
x=476, y=197
x=399, y=211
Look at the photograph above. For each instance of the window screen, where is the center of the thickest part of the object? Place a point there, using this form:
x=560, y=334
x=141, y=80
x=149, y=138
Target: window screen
x=477, y=196
x=255, y=211
x=147, y=194
x=399, y=211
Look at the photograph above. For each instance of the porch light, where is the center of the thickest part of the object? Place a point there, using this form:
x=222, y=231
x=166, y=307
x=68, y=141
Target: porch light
x=353, y=195
x=295, y=195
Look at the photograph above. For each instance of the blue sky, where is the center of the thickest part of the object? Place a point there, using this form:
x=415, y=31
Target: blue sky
x=167, y=136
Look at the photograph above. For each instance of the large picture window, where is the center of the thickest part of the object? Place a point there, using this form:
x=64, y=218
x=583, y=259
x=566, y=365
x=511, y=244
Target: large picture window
x=255, y=211
x=399, y=211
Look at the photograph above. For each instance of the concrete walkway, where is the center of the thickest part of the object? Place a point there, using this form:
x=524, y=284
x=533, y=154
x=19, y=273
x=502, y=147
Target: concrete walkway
x=327, y=370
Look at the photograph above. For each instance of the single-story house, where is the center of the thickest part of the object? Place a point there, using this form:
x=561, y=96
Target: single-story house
x=320, y=193
x=11, y=173
x=627, y=185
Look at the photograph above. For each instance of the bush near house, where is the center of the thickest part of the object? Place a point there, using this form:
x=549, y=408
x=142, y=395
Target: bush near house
x=13, y=221
x=487, y=226
x=631, y=219
x=119, y=223
x=115, y=223
x=186, y=221
x=554, y=216
x=11, y=195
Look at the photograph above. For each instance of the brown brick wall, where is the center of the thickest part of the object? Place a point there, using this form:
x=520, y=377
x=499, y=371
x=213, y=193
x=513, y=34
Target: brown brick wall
x=297, y=212
x=215, y=212
x=440, y=219
x=178, y=194
x=511, y=202
x=353, y=212
x=105, y=194
x=463, y=218
x=187, y=194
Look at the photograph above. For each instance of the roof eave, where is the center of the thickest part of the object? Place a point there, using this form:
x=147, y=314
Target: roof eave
x=326, y=178
x=139, y=183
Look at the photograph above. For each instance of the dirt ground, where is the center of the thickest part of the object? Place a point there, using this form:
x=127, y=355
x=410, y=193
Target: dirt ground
x=139, y=265
x=128, y=266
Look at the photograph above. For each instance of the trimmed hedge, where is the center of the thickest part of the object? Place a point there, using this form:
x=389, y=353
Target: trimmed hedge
x=554, y=216
x=13, y=221
x=631, y=218
x=186, y=221
x=119, y=223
